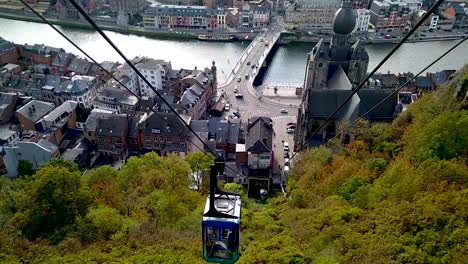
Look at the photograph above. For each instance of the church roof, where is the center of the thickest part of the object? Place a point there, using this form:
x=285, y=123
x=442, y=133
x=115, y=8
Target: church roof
x=345, y=19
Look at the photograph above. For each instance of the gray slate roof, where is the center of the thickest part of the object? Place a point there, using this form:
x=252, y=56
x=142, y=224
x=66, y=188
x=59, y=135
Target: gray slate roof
x=40, y=109
x=79, y=65
x=114, y=125
x=259, y=137
x=158, y=122
x=62, y=59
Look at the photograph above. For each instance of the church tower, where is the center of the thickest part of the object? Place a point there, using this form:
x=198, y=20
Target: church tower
x=332, y=71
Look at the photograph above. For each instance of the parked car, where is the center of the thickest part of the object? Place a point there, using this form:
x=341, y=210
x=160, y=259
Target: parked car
x=284, y=111
x=286, y=155
x=239, y=96
x=236, y=114
x=293, y=125
x=227, y=107
x=286, y=169
x=289, y=130
x=285, y=146
x=248, y=63
x=235, y=90
x=286, y=162
x=239, y=79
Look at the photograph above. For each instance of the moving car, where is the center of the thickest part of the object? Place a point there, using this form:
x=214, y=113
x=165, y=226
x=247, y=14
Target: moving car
x=239, y=96
x=235, y=90
x=248, y=63
x=227, y=107
x=284, y=111
x=289, y=130
x=236, y=114
x=239, y=79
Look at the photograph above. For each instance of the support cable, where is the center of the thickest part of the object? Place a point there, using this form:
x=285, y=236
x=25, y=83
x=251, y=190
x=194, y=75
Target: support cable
x=112, y=76
x=397, y=90
x=388, y=56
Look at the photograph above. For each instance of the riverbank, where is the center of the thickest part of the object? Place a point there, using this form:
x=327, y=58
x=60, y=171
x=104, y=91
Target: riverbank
x=118, y=29
x=290, y=38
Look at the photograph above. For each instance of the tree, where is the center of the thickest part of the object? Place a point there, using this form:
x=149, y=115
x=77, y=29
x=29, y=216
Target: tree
x=57, y=198
x=104, y=185
x=200, y=165
x=25, y=168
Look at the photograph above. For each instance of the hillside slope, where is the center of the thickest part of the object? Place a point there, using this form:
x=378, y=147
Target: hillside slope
x=397, y=194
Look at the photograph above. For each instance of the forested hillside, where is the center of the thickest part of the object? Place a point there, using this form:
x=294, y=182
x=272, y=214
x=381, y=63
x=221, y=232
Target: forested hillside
x=397, y=194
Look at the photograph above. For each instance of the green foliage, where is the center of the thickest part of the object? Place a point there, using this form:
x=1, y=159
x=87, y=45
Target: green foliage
x=200, y=164
x=377, y=164
x=396, y=194
x=25, y=168
x=350, y=186
x=57, y=197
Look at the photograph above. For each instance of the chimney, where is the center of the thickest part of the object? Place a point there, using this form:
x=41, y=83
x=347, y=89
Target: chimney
x=30, y=109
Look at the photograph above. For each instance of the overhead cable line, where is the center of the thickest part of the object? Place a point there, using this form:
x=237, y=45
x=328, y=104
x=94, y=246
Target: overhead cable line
x=390, y=54
x=99, y=30
x=113, y=77
x=397, y=89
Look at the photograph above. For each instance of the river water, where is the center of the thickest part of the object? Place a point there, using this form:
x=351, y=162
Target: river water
x=287, y=66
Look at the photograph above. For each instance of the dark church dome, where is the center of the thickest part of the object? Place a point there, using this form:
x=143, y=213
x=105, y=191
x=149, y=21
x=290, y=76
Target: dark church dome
x=345, y=19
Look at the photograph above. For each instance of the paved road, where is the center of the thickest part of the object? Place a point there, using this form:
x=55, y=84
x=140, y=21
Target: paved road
x=251, y=104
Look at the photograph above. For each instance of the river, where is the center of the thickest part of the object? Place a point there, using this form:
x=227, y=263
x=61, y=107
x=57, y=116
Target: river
x=287, y=66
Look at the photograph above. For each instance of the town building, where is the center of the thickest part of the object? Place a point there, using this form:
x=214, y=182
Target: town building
x=61, y=62
x=259, y=148
x=33, y=148
x=116, y=100
x=223, y=134
x=164, y=133
x=112, y=136
x=11, y=68
x=65, y=10
x=155, y=72
x=82, y=89
x=362, y=20
x=7, y=105
x=32, y=112
x=133, y=6
x=388, y=15
x=184, y=17
x=57, y=122
x=79, y=66
x=40, y=53
x=8, y=52
x=332, y=71
x=253, y=16
x=199, y=90
x=457, y=14
x=314, y=15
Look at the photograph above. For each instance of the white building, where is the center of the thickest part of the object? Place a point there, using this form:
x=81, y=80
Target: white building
x=362, y=20
x=413, y=5
x=434, y=22
x=154, y=72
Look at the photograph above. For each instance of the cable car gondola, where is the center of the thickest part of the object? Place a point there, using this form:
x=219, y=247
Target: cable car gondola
x=221, y=222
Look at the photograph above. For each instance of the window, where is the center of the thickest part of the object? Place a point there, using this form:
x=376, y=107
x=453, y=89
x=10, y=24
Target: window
x=168, y=139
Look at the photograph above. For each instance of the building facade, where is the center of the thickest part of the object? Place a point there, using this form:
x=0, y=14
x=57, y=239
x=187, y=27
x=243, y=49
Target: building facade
x=184, y=17
x=362, y=20
x=133, y=6
x=313, y=16
x=388, y=15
